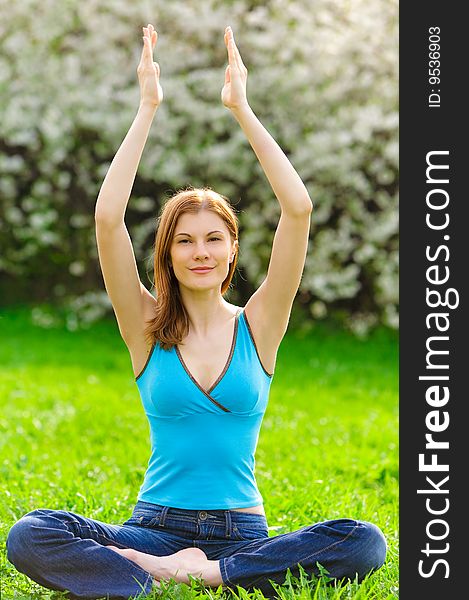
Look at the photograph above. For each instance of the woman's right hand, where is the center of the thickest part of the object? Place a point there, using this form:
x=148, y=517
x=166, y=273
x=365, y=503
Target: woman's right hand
x=148, y=71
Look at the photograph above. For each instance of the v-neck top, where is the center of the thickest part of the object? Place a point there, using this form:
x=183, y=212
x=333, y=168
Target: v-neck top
x=203, y=442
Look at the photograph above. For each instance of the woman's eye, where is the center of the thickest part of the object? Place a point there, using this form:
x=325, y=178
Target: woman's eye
x=215, y=239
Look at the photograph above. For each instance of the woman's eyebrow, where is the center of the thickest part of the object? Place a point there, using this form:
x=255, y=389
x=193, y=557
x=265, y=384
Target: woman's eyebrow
x=189, y=235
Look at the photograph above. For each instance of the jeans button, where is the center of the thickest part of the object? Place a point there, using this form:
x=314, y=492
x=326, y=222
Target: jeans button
x=202, y=515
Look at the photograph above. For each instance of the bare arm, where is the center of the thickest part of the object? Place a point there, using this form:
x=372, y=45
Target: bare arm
x=128, y=295
x=270, y=306
x=117, y=185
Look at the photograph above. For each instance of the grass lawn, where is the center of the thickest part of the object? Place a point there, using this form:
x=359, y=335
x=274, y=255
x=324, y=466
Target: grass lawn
x=73, y=436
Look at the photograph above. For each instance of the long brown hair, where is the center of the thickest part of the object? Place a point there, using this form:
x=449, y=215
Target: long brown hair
x=170, y=324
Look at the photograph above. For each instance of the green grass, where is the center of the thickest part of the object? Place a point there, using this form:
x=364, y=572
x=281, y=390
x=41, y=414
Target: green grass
x=74, y=436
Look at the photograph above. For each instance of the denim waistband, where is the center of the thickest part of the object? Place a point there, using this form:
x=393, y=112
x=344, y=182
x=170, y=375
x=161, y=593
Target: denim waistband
x=221, y=516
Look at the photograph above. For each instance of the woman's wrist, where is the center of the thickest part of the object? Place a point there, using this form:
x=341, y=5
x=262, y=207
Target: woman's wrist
x=147, y=107
x=245, y=116
x=239, y=111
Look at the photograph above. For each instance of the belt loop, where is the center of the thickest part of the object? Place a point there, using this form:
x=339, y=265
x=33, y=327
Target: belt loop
x=163, y=515
x=228, y=523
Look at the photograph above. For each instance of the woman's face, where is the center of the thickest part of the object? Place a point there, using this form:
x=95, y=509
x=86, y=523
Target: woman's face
x=201, y=250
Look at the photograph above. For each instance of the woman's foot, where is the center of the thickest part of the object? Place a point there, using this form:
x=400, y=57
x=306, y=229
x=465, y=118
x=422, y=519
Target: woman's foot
x=178, y=566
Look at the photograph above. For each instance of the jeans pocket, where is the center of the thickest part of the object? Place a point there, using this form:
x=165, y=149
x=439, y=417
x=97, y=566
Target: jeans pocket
x=246, y=533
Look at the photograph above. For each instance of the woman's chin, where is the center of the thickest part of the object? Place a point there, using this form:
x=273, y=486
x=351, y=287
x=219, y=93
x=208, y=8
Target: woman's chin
x=202, y=286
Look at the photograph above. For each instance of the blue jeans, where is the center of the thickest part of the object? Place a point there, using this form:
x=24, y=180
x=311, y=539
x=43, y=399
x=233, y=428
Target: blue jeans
x=65, y=551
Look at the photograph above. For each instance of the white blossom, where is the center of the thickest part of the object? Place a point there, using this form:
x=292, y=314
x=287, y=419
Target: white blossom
x=322, y=79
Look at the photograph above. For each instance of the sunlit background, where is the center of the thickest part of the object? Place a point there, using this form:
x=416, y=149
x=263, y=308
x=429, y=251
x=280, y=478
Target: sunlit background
x=323, y=81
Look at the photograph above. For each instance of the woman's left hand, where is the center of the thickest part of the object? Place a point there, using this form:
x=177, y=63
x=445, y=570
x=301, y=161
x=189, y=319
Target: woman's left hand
x=148, y=71
x=233, y=94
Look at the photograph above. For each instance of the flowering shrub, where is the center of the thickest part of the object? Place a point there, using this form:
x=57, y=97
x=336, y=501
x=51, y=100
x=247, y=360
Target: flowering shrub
x=322, y=79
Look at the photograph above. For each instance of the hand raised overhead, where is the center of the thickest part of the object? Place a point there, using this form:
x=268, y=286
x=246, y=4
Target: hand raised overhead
x=148, y=71
x=233, y=94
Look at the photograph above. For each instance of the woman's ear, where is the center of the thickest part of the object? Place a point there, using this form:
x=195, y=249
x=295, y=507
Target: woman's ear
x=234, y=249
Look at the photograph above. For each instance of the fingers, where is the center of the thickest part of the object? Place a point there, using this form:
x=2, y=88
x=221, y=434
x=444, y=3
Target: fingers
x=146, y=53
x=229, y=41
x=153, y=34
x=233, y=52
x=150, y=37
x=227, y=75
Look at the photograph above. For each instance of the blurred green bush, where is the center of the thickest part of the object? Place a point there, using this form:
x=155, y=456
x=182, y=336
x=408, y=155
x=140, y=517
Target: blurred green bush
x=322, y=79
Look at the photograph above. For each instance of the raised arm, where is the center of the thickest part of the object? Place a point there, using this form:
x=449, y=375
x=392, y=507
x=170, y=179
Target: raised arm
x=269, y=307
x=130, y=299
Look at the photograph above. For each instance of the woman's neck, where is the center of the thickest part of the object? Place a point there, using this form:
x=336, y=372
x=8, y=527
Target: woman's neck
x=205, y=311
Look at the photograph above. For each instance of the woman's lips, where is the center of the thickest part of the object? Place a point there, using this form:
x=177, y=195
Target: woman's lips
x=201, y=271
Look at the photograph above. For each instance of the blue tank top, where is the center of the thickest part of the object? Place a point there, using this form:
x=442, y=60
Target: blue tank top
x=203, y=442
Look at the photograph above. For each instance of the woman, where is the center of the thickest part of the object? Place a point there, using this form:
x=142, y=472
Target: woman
x=203, y=368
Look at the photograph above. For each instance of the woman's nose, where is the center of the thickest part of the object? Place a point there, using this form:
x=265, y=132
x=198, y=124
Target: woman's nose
x=201, y=251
